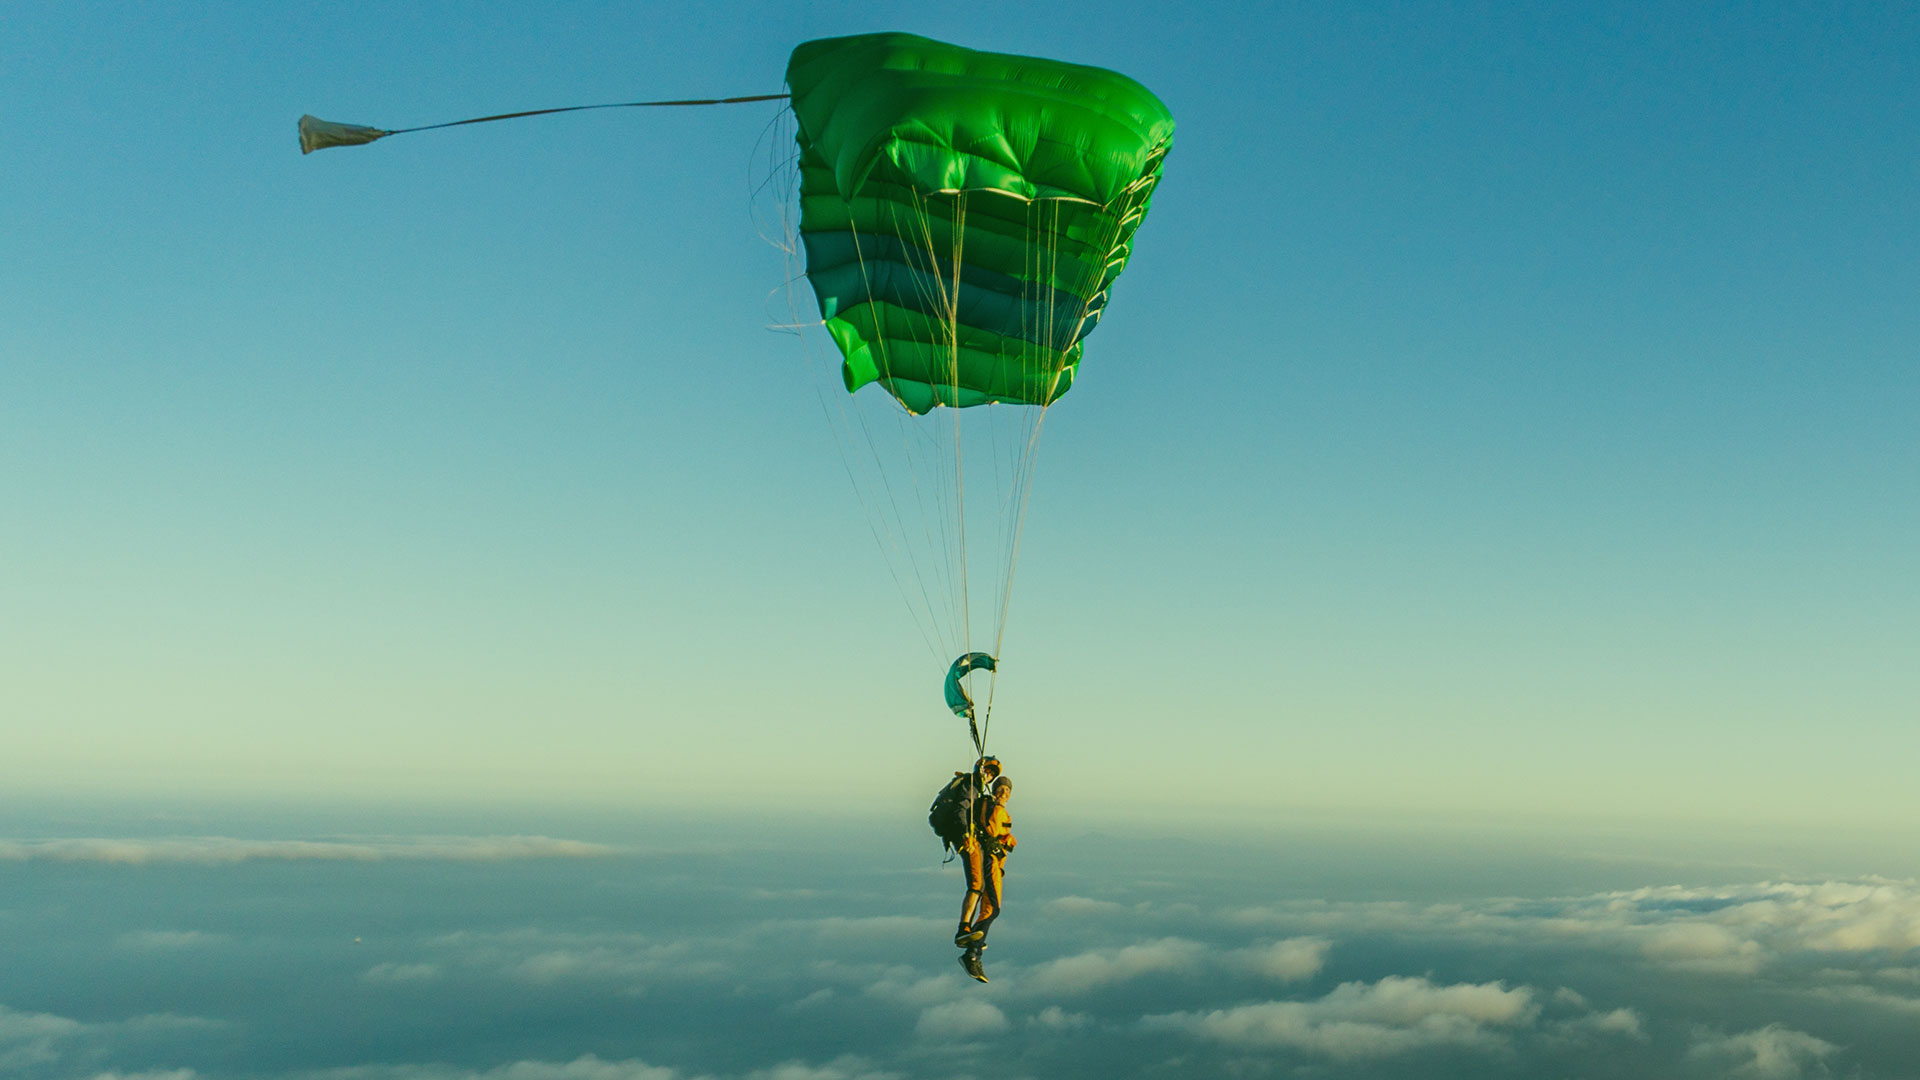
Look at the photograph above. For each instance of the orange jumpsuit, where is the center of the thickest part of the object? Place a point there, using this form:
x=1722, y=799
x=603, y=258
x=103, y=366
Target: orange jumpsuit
x=984, y=871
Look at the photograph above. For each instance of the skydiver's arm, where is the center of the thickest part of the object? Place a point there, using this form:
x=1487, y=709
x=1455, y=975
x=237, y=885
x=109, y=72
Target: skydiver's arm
x=1001, y=825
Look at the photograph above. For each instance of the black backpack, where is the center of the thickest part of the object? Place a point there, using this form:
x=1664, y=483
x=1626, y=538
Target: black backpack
x=952, y=811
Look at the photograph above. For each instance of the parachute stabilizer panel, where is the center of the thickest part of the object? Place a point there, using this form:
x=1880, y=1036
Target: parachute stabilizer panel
x=957, y=698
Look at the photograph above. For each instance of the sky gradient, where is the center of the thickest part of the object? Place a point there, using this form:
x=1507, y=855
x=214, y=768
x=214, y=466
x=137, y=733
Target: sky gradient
x=1506, y=415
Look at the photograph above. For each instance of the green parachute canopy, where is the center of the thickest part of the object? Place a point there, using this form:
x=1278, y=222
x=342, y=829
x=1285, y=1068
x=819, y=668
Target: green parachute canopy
x=965, y=213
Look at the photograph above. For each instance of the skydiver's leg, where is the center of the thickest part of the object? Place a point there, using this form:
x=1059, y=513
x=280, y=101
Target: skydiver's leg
x=971, y=902
x=989, y=896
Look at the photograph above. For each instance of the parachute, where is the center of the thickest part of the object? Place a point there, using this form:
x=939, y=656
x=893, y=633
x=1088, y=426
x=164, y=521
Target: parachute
x=965, y=213
x=963, y=216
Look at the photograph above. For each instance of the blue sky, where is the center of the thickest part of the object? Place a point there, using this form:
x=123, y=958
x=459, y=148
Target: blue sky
x=1506, y=414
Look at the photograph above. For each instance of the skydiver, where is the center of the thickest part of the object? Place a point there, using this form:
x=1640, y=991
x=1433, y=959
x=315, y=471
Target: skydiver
x=978, y=792
x=985, y=852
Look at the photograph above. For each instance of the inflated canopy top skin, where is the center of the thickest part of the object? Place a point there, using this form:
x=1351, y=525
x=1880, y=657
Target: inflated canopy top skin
x=964, y=213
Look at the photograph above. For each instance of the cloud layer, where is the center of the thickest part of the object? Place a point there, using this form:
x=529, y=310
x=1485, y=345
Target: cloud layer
x=1359, y=1020
x=209, y=850
x=697, y=967
x=1737, y=929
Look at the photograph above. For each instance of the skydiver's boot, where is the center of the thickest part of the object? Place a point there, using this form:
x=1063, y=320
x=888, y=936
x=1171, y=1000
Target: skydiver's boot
x=963, y=937
x=971, y=961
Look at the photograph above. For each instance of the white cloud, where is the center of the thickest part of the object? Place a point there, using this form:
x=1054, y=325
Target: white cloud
x=904, y=989
x=587, y=1067
x=1702, y=946
x=960, y=1020
x=1568, y=996
x=819, y=997
x=545, y=956
x=1769, y=1053
x=1081, y=905
x=611, y=962
x=1054, y=1018
x=784, y=896
x=401, y=973
x=1374, y=917
x=1732, y=930
x=1101, y=967
x=1839, y=917
x=841, y=928
x=215, y=850
x=1829, y=917
x=843, y=1068
x=159, y=1074
x=1289, y=961
x=151, y=1022
x=1396, y=1015
x=28, y=1038
x=1623, y=1023
x=161, y=940
x=1870, y=998
x=33, y=1039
